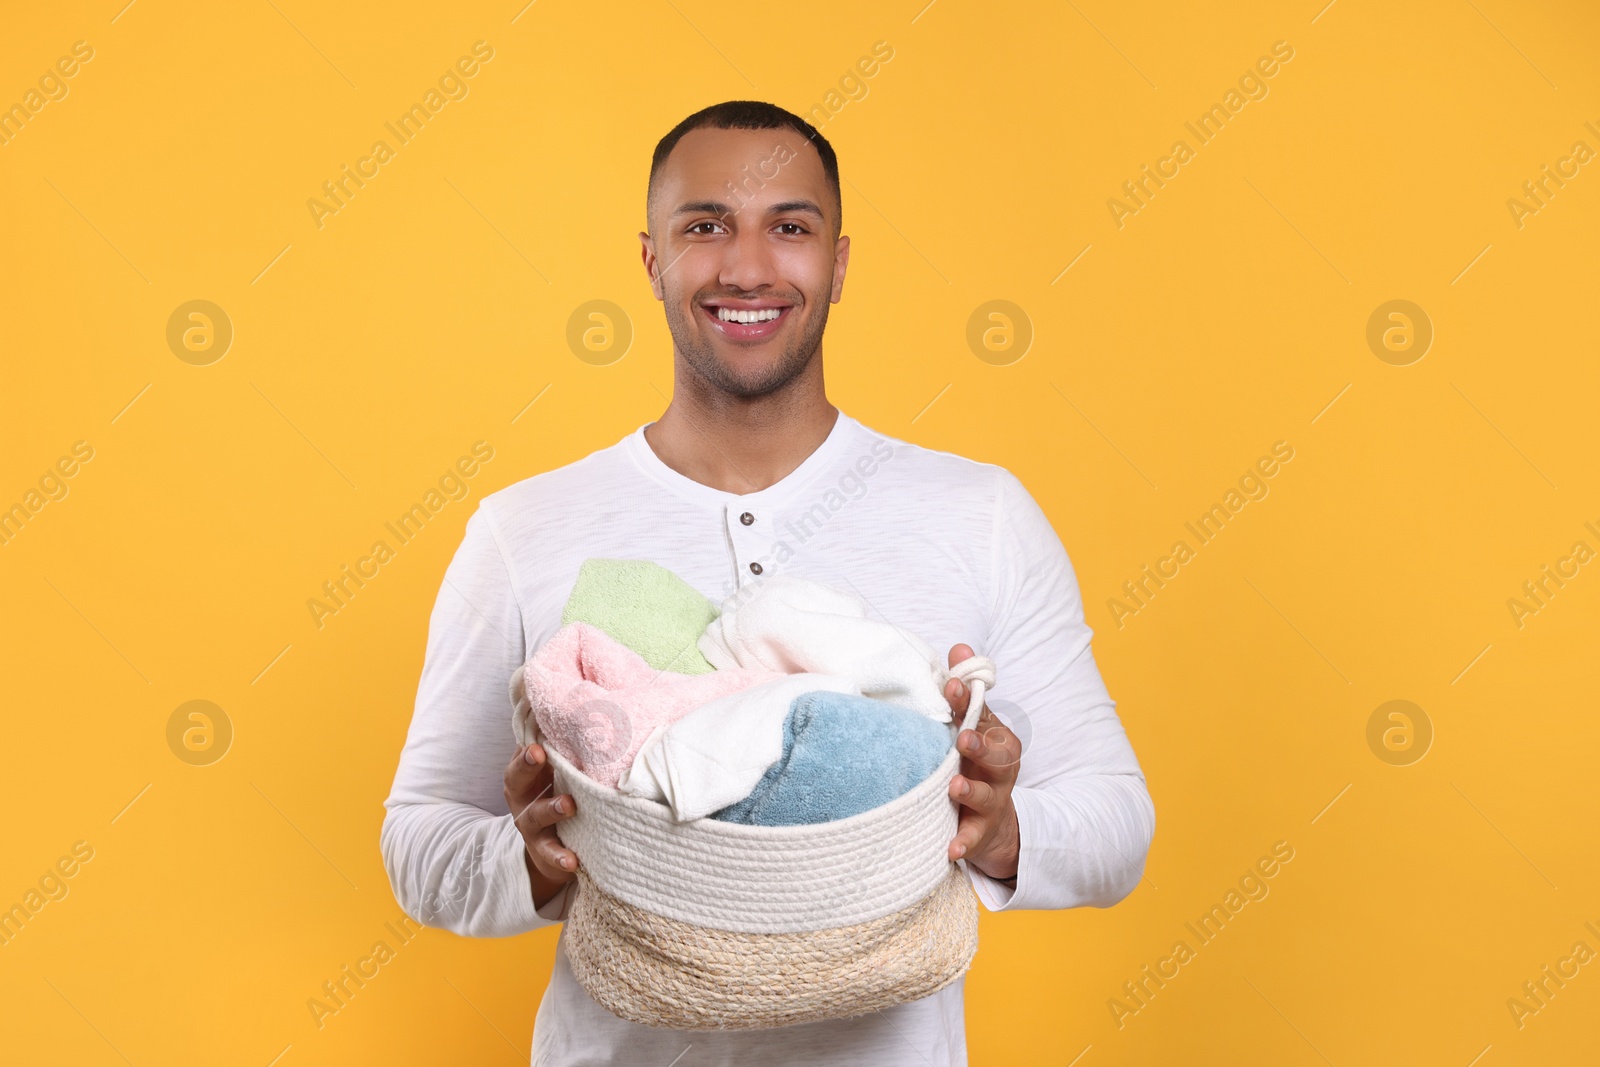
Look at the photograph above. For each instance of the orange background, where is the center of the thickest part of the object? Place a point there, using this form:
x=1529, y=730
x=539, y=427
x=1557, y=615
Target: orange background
x=1228, y=313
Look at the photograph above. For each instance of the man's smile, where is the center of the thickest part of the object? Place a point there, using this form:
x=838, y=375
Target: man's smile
x=753, y=321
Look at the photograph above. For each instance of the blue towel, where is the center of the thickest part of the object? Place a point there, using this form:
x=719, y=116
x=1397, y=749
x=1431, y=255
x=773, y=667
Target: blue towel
x=842, y=754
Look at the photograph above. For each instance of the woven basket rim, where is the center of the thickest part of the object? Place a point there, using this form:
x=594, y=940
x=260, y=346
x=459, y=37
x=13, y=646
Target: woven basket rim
x=584, y=787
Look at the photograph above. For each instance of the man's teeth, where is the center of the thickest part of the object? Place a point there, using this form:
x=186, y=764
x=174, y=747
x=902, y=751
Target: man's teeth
x=763, y=315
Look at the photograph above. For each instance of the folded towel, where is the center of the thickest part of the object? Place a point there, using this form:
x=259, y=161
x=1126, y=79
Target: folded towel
x=794, y=624
x=718, y=752
x=842, y=755
x=645, y=607
x=596, y=701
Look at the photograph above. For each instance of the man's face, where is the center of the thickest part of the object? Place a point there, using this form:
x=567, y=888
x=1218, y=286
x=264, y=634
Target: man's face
x=744, y=223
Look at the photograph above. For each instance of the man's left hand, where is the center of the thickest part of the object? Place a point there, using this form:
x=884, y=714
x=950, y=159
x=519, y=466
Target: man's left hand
x=987, y=836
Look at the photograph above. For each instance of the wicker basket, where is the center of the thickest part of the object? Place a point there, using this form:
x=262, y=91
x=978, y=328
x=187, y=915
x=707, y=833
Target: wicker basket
x=710, y=925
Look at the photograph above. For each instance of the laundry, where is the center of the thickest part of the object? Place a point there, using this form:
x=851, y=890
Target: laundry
x=842, y=755
x=596, y=701
x=646, y=608
x=717, y=754
x=794, y=625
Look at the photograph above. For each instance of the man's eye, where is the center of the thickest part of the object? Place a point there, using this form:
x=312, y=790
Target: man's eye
x=797, y=229
x=696, y=227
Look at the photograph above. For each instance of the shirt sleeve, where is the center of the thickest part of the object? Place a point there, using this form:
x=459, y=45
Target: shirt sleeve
x=453, y=855
x=1083, y=812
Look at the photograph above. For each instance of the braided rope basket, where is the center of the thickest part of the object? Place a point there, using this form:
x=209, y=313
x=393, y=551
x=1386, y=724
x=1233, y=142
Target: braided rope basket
x=711, y=925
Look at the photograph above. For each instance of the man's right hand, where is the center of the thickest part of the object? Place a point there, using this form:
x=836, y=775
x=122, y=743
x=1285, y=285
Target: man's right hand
x=529, y=781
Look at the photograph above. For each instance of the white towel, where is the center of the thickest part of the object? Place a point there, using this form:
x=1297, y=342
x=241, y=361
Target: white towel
x=791, y=624
x=716, y=754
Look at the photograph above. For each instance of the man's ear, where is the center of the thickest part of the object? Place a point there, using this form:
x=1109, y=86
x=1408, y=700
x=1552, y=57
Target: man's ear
x=841, y=260
x=647, y=252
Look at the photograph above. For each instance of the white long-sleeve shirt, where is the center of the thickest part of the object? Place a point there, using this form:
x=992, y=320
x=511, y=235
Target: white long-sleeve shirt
x=953, y=549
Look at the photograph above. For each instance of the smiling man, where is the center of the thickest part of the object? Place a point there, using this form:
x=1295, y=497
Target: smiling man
x=745, y=251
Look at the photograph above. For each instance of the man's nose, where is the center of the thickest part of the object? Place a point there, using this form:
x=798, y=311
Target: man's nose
x=749, y=263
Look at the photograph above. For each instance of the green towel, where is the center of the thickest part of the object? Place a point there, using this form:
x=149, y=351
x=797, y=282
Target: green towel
x=644, y=607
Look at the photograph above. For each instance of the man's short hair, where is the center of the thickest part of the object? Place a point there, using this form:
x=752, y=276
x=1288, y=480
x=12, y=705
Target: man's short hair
x=750, y=115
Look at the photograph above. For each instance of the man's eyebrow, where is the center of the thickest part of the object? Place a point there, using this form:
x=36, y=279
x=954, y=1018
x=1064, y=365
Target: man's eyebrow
x=804, y=207
x=700, y=207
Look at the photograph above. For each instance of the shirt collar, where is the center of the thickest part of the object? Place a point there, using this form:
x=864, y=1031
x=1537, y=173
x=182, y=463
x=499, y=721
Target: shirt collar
x=645, y=458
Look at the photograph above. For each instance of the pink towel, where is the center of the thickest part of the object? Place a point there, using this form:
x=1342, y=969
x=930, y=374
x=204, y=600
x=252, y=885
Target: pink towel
x=597, y=701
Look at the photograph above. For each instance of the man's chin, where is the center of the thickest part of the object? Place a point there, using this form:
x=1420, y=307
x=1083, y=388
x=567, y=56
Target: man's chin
x=747, y=371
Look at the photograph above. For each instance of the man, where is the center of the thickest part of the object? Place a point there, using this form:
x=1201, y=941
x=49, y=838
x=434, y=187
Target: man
x=751, y=472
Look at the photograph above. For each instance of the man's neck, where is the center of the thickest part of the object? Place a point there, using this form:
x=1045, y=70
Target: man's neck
x=740, y=447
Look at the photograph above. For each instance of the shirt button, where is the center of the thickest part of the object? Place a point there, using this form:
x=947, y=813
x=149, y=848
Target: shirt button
x=755, y=568
x=747, y=518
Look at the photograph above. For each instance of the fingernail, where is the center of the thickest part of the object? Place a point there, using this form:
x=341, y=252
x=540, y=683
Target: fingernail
x=561, y=805
x=566, y=861
x=966, y=788
x=527, y=754
x=961, y=850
